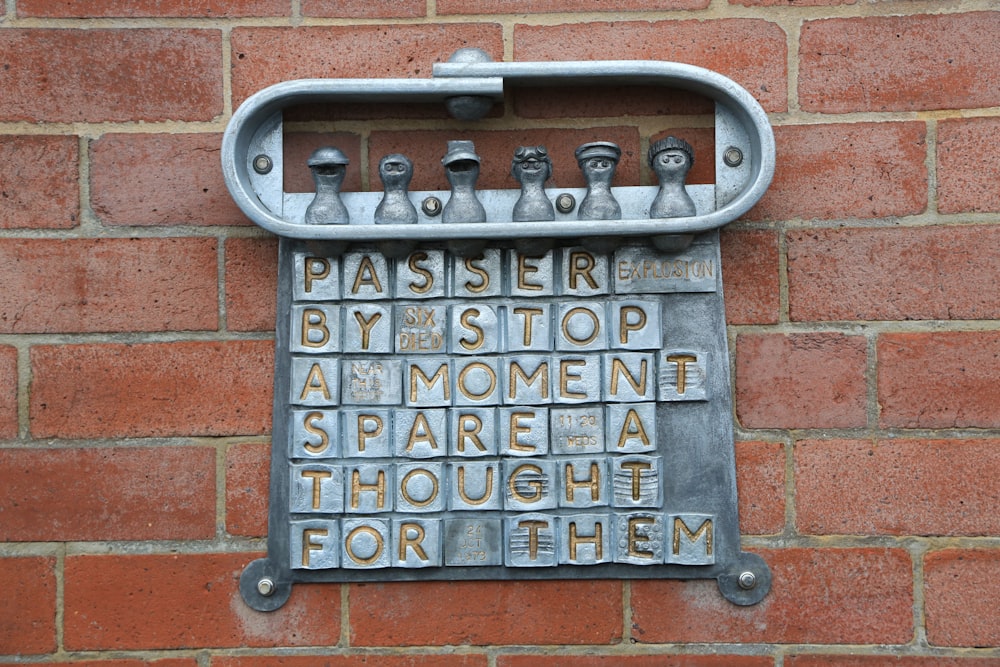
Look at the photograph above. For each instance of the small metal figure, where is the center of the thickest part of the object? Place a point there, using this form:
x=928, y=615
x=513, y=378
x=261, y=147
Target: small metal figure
x=461, y=165
x=396, y=171
x=531, y=167
x=328, y=166
x=671, y=159
x=598, y=161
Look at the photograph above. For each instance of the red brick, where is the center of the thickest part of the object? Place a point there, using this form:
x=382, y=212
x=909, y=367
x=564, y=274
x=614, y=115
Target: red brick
x=967, y=183
x=929, y=273
x=28, y=606
x=39, y=176
x=750, y=265
x=185, y=188
x=84, y=285
x=496, y=149
x=248, y=474
x=381, y=660
x=897, y=487
x=848, y=170
x=819, y=596
x=634, y=661
x=760, y=480
x=960, y=591
x=265, y=56
x=805, y=380
x=791, y=3
x=751, y=52
x=608, y=102
x=251, y=284
x=8, y=392
x=156, y=389
x=114, y=493
x=886, y=661
x=899, y=63
x=576, y=6
x=365, y=8
x=939, y=380
x=166, y=662
x=487, y=612
x=150, y=8
x=298, y=146
x=110, y=75
x=185, y=601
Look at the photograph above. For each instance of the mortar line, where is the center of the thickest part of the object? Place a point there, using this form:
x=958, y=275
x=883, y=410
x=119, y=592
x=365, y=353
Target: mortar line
x=345, y=617
x=931, y=165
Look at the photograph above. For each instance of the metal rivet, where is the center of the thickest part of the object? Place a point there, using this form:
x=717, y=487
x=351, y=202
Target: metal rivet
x=565, y=202
x=265, y=586
x=747, y=580
x=733, y=157
x=262, y=164
x=431, y=206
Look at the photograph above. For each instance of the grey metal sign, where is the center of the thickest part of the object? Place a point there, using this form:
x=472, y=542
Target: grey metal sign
x=548, y=397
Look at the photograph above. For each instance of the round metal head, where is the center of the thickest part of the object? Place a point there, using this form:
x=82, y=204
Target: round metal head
x=605, y=149
x=460, y=150
x=670, y=143
x=327, y=156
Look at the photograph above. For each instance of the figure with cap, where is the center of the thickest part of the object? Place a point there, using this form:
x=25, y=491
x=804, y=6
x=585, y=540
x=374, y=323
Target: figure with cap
x=396, y=172
x=461, y=166
x=598, y=161
x=671, y=159
x=531, y=167
x=328, y=166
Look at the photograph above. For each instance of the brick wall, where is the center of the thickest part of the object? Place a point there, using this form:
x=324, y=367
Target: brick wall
x=137, y=315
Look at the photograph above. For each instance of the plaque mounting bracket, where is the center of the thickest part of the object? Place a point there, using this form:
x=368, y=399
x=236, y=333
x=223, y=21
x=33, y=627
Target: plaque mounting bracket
x=469, y=84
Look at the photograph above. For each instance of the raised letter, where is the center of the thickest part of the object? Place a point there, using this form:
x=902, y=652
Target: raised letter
x=682, y=360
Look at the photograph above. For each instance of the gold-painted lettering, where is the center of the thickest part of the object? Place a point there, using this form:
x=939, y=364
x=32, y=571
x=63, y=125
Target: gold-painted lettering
x=516, y=430
x=523, y=269
x=308, y=546
x=357, y=487
x=316, y=268
x=366, y=326
x=477, y=365
x=308, y=423
x=406, y=494
x=316, y=476
x=440, y=374
x=428, y=283
x=464, y=432
x=314, y=319
x=529, y=315
x=565, y=377
x=466, y=320
x=704, y=529
x=379, y=545
x=595, y=324
x=405, y=541
x=633, y=537
x=486, y=493
x=618, y=368
x=636, y=468
x=484, y=276
x=580, y=265
x=533, y=528
x=366, y=275
x=534, y=484
x=595, y=539
x=315, y=382
x=593, y=482
x=626, y=326
x=541, y=374
x=682, y=360
x=633, y=428
x=421, y=432
x=364, y=432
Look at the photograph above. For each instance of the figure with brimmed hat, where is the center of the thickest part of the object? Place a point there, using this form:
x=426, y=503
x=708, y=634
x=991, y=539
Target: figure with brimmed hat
x=598, y=161
x=531, y=167
x=671, y=159
x=461, y=167
x=328, y=166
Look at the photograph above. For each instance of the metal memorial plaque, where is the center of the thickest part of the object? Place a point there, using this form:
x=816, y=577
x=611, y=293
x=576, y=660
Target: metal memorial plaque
x=459, y=399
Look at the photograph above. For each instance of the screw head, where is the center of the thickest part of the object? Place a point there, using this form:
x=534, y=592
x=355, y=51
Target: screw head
x=565, y=202
x=747, y=580
x=265, y=586
x=262, y=164
x=733, y=157
x=431, y=206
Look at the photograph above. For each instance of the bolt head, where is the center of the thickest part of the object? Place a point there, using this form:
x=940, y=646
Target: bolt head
x=747, y=580
x=262, y=164
x=431, y=206
x=265, y=586
x=565, y=202
x=733, y=157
